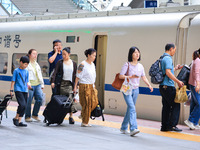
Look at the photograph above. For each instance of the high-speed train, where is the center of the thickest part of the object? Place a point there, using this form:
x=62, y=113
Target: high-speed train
x=112, y=34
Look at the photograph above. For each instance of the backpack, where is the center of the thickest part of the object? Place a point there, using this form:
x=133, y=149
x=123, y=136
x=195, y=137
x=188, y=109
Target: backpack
x=97, y=112
x=155, y=71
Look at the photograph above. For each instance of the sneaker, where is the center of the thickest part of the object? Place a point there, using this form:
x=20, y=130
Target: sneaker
x=124, y=131
x=134, y=132
x=21, y=124
x=16, y=122
x=85, y=125
x=176, y=129
x=28, y=119
x=36, y=118
x=197, y=126
x=71, y=120
x=189, y=124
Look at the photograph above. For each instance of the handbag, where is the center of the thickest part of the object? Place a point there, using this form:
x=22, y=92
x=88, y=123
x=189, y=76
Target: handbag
x=97, y=112
x=117, y=83
x=184, y=75
x=181, y=95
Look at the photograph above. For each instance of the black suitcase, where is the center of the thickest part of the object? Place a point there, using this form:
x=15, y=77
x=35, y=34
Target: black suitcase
x=57, y=109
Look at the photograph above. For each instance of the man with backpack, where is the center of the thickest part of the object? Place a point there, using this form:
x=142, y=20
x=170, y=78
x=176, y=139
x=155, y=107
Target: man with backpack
x=170, y=109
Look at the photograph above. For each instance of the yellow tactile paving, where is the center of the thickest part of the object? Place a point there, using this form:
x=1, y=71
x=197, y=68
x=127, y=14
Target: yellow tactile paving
x=176, y=135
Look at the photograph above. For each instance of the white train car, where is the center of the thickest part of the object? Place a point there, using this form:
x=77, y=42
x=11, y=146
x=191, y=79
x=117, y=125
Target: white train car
x=112, y=34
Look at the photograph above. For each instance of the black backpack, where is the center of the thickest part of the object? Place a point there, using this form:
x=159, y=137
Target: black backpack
x=97, y=112
x=155, y=71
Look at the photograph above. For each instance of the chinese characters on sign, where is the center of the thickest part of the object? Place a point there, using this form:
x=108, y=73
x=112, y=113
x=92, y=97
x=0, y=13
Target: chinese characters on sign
x=150, y=3
x=8, y=40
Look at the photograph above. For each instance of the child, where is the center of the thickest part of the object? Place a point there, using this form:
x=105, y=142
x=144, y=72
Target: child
x=19, y=82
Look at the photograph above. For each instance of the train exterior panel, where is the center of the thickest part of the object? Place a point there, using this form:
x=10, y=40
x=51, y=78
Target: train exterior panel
x=112, y=36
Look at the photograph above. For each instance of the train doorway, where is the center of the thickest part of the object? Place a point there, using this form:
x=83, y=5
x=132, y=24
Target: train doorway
x=187, y=35
x=100, y=44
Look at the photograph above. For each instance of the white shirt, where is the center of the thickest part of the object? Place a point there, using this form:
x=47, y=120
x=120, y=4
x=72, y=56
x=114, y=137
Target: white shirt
x=88, y=74
x=32, y=73
x=67, y=71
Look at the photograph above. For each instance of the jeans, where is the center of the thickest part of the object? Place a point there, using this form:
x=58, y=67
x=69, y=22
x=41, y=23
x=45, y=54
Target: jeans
x=37, y=94
x=170, y=109
x=21, y=99
x=194, y=106
x=130, y=116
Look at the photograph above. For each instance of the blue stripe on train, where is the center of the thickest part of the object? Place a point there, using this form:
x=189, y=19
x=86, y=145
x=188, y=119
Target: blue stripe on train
x=9, y=78
x=108, y=87
x=143, y=90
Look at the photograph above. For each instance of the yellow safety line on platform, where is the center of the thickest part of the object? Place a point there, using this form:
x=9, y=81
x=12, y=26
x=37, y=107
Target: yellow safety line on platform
x=182, y=136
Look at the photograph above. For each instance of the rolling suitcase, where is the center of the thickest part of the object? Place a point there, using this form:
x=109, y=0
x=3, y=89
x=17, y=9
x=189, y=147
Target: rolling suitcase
x=57, y=109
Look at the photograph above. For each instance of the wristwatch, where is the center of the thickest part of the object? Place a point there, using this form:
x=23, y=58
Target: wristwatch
x=11, y=90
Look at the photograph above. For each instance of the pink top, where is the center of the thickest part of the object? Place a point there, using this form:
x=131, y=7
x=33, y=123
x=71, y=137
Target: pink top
x=133, y=70
x=195, y=72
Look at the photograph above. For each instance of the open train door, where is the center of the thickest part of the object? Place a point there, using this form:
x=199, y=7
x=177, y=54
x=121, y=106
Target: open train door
x=100, y=44
x=187, y=41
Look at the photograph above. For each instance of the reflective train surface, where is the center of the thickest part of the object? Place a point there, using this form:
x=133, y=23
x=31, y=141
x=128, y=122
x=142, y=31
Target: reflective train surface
x=112, y=34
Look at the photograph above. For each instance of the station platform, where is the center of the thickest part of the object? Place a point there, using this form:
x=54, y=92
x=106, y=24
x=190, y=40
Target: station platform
x=102, y=135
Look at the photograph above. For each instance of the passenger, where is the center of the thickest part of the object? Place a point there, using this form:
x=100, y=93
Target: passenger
x=135, y=72
x=20, y=81
x=86, y=75
x=53, y=57
x=170, y=109
x=5, y=67
x=67, y=70
x=44, y=71
x=36, y=85
x=194, y=81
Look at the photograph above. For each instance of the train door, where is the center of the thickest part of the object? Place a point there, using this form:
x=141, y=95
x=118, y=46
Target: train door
x=100, y=62
x=184, y=41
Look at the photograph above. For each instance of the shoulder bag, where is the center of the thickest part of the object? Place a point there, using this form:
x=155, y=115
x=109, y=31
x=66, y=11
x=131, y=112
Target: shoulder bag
x=117, y=83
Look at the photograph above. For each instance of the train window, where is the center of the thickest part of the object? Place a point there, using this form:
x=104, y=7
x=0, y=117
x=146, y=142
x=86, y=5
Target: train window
x=15, y=60
x=3, y=63
x=70, y=39
x=74, y=57
x=42, y=60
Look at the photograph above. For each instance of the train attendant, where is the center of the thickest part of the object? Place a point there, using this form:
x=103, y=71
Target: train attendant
x=86, y=76
x=66, y=71
x=135, y=72
x=20, y=81
x=170, y=109
x=53, y=57
x=37, y=84
x=194, y=81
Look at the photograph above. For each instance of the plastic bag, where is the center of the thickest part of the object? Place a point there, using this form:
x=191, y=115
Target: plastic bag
x=187, y=103
x=181, y=95
x=127, y=87
x=43, y=99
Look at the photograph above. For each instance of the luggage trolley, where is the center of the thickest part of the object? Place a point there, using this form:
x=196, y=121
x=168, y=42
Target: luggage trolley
x=3, y=106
